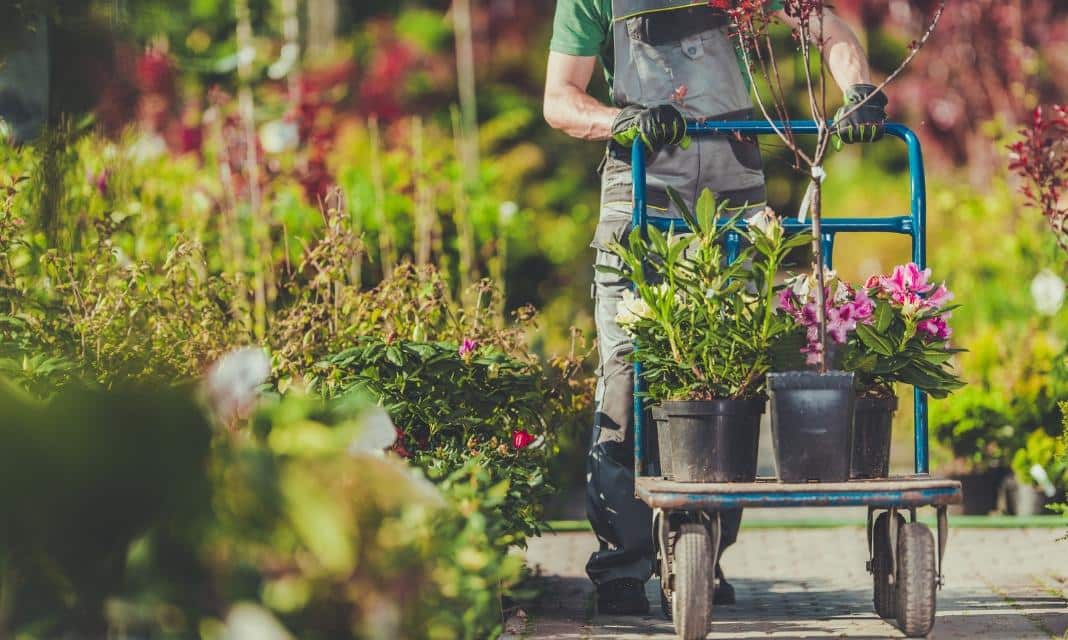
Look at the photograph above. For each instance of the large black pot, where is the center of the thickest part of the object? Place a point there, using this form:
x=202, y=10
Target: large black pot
x=873, y=422
x=709, y=440
x=980, y=489
x=812, y=424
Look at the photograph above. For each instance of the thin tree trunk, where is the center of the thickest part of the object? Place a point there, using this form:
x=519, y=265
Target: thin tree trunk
x=322, y=26
x=817, y=252
x=291, y=35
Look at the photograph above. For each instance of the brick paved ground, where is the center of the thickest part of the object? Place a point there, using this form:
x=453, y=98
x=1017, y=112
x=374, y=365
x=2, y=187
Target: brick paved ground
x=811, y=583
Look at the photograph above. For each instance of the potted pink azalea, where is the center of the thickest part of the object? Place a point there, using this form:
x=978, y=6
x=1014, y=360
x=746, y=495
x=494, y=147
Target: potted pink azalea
x=893, y=329
x=812, y=410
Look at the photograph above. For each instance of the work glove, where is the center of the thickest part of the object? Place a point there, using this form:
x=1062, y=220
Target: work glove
x=657, y=127
x=866, y=123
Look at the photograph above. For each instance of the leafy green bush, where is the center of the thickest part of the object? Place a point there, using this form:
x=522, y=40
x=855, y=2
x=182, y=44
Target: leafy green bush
x=985, y=424
x=1045, y=452
x=454, y=403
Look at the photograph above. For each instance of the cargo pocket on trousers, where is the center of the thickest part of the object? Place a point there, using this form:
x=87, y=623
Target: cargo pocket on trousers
x=747, y=152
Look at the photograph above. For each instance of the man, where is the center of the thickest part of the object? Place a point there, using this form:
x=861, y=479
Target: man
x=665, y=60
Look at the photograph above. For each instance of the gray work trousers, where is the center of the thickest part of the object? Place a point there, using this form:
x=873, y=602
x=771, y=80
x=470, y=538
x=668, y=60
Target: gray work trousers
x=622, y=523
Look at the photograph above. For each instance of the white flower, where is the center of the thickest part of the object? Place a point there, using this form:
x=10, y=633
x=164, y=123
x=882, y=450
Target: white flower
x=804, y=285
x=841, y=294
x=631, y=309
x=232, y=383
x=767, y=222
x=247, y=621
x=800, y=285
x=288, y=57
x=1047, y=290
x=507, y=211
x=147, y=147
x=377, y=432
x=279, y=135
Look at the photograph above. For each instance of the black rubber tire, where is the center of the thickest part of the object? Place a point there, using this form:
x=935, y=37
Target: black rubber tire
x=665, y=604
x=883, y=590
x=692, y=601
x=915, y=580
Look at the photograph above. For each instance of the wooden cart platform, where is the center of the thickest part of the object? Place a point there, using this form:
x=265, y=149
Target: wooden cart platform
x=901, y=491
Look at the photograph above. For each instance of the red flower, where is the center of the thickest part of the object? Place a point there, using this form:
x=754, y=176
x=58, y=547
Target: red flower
x=521, y=439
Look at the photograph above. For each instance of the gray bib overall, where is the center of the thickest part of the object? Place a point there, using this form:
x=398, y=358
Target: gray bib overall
x=660, y=46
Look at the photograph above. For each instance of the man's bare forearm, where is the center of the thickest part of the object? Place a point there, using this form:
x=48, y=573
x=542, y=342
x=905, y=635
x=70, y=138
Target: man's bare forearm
x=846, y=58
x=579, y=114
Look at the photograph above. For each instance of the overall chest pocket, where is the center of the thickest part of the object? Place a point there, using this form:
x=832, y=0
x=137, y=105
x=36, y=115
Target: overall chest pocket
x=686, y=48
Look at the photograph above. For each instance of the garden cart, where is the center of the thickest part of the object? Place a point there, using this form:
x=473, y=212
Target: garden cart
x=905, y=559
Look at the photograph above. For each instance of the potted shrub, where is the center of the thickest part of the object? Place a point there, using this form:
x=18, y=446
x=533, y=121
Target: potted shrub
x=978, y=426
x=703, y=331
x=893, y=329
x=906, y=340
x=1040, y=473
x=812, y=409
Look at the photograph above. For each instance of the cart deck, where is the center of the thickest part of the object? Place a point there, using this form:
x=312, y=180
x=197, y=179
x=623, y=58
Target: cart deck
x=902, y=491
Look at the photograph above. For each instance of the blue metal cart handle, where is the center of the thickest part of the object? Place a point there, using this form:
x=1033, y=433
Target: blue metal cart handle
x=913, y=225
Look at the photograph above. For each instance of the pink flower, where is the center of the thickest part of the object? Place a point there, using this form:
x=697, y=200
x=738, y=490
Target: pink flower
x=906, y=279
x=812, y=351
x=863, y=307
x=936, y=328
x=840, y=321
x=521, y=439
x=468, y=347
x=939, y=297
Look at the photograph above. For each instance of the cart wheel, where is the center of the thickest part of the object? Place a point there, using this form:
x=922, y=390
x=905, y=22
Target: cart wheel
x=881, y=565
x=915, y=580
x=692, y=598
x=665, y=604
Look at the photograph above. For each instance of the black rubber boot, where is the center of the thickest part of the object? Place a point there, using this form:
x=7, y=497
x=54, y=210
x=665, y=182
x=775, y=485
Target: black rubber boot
x=724, y=591
x=623, y=597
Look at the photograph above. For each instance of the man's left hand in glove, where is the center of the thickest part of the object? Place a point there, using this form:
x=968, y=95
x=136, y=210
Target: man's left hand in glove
x=657, y=127
x=865, y=123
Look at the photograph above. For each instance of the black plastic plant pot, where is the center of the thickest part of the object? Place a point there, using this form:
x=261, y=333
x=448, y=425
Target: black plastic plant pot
x=709, y=440
x=812, y=424
x=873, y=422
x=663, y=441
x=980, y=490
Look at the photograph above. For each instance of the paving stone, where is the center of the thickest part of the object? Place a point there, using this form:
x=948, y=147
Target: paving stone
x=811, y=583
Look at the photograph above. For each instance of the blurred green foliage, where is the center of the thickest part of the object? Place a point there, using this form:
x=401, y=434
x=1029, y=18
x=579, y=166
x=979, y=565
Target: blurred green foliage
x=456, y=405
x=122, y=521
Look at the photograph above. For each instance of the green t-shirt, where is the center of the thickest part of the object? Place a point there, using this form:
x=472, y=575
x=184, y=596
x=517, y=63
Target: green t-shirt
x=584, y=28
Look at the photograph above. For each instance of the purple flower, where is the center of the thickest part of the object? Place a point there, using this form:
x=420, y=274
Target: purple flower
x=840, y=321
x=936, y=328
x=100, y=181
x=863, y=307
x=786, y=301
x=468, y=347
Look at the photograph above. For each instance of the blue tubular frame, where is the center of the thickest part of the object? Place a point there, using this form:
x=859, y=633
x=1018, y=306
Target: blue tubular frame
x=913, y=225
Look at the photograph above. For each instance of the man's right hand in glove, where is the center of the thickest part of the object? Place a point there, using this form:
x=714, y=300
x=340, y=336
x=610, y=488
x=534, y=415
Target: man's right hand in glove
x=657, y=127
